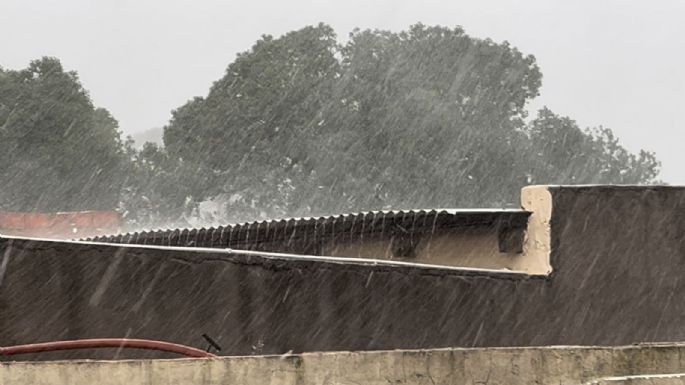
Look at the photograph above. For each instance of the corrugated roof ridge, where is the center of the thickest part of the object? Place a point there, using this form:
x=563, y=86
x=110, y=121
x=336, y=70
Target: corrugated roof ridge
x=314, y=219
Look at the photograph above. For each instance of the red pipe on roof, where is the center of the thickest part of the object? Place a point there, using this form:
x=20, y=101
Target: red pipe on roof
x=105, y=343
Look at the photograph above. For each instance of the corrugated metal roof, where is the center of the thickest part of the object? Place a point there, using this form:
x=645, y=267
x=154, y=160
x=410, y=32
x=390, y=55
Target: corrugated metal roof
x=314, y=230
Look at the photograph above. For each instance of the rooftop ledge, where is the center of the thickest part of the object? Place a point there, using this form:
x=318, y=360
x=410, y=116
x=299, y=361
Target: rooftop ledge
x=473, y=238
x=497, y=239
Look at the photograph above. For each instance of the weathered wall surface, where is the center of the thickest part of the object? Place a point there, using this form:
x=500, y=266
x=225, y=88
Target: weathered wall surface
x=250, y=304
x=513, y=366
x=618, y=255
x=653, y=379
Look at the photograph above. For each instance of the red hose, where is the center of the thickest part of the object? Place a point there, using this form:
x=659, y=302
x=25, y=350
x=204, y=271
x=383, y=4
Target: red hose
x=105, y=343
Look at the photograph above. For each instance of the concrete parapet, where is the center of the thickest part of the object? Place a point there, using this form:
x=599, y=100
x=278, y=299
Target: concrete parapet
x=491, y=366
x=650, y=379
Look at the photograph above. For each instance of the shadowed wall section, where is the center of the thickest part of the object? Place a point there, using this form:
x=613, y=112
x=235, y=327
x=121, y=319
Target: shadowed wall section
x=249, y=303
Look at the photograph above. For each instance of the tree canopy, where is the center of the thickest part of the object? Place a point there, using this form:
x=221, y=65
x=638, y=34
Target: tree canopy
x=304, y=125
x=58, y=151
x=428, y=117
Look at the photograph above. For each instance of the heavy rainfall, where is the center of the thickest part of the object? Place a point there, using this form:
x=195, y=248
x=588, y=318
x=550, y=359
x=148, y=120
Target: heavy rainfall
x=383, y=187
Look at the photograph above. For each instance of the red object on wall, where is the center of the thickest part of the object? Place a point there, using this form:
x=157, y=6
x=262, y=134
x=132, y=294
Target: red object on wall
x=116, y=343
x=67, y=225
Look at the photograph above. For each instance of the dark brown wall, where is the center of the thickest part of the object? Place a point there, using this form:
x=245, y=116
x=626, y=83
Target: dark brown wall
x=250, y=304
x=618, y=255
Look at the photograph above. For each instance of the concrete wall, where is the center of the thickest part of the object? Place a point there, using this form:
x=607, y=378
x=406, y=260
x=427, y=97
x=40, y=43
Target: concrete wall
x=249, y=303
x=649, y=379
x=513, y=366
x=617, y=255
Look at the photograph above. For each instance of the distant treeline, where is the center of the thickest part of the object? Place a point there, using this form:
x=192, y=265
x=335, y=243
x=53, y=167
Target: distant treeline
x=304, y=125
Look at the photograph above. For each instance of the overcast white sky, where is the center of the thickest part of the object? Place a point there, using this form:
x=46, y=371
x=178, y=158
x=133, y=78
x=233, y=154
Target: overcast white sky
x=620, y=64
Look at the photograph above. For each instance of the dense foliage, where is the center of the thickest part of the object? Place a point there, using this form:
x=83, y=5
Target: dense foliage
x=57, y=151
x=303, y=125
x=428, y=117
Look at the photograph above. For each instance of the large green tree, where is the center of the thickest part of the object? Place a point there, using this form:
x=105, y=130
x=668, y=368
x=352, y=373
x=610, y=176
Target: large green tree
x=249, y=140
x=57, y=151
x=425, y=117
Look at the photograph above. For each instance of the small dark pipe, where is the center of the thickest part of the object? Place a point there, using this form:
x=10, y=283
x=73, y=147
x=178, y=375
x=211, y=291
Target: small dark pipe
x=105, y=343
x=211, y=342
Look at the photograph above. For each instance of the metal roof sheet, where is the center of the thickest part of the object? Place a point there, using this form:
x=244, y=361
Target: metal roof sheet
x=249, y=235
